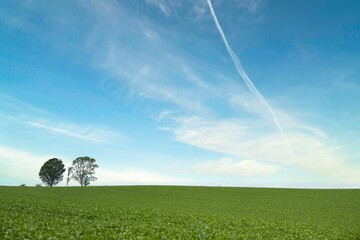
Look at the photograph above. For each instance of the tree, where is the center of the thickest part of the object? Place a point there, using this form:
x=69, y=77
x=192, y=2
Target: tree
x=51, y=173
x=83, y=170
x=86, y=181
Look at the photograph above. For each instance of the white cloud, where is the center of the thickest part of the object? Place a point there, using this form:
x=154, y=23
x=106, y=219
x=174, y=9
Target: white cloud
x=134, y=176
x=244, y=168
x=87, y=132
x=232, y=136
x=260, y=141
x=163, y=115
x=19, y=164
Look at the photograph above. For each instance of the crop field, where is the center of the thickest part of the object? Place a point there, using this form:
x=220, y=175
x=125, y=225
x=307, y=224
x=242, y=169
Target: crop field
x=166, y=212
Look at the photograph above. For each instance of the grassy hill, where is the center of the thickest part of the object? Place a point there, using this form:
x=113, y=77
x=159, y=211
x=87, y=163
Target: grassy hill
x=173, y=212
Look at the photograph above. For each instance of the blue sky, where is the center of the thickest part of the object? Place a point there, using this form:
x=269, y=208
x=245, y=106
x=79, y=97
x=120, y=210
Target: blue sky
x=148, y=89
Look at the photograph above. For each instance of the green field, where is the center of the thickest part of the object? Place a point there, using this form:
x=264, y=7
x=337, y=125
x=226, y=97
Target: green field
x=164, y=212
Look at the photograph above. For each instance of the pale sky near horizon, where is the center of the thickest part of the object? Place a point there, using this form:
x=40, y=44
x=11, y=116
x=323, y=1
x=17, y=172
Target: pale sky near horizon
x=149, y=90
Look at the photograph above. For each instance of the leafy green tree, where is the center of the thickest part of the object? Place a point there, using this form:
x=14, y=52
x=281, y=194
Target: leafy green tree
x=83, y=170
x=51, y=173
x=86, y=181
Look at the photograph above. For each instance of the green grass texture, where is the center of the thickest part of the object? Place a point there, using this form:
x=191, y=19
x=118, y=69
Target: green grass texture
x=177, y=212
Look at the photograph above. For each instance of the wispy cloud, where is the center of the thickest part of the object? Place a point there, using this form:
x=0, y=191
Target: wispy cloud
x=251, y=5
x=16, y=112
x=244, y=168
x=165, y=6
x=87, y=132
x=161, y=4
x=200, y=8
x=9, y=103
x=112, y=49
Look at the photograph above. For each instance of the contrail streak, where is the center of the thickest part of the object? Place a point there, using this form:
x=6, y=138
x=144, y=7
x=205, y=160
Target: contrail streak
x=247, y=80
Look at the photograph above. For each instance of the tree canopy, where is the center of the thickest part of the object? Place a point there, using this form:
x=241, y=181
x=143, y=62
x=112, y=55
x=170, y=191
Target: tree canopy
x=51, y=173
x=83, y=170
